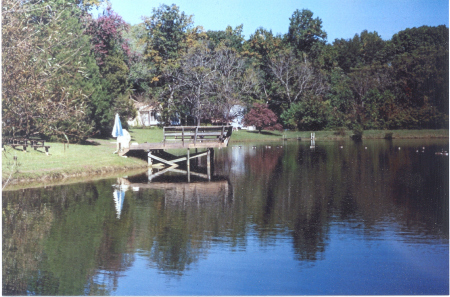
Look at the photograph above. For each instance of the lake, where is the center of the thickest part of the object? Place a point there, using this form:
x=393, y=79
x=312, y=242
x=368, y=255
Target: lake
x=345, y=217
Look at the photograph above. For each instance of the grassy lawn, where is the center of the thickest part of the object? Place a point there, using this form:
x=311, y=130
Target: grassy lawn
x=244, y=135
x=149, y=135
x=98, y=158
x=73, y=160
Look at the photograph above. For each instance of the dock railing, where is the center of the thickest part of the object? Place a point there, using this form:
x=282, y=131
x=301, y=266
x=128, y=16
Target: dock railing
x=195, y=134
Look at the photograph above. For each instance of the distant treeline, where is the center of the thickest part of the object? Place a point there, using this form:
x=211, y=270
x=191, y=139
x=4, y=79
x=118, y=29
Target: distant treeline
x=66, y=73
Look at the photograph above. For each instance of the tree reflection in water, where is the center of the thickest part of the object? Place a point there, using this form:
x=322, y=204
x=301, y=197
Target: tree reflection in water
x=68, y=240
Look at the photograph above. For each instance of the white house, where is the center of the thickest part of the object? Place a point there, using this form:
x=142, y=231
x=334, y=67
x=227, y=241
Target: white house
x=237, y=122
x=147, y=115
x=237, y=112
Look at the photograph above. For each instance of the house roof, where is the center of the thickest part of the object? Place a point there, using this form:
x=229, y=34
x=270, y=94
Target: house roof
x=147, y=108
x=141, y=106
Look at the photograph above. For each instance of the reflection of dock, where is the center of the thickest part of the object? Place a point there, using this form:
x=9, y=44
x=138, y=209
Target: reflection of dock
x=190, y=192
x=177, y=189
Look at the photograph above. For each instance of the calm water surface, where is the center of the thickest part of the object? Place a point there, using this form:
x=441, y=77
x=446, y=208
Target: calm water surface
x=367, y=218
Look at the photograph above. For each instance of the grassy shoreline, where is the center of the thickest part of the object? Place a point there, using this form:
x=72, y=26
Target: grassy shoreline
x=96, y=160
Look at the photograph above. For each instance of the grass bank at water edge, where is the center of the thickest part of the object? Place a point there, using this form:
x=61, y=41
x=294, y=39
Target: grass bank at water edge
x=64, y=161
x=244, y=135
x=95, y=159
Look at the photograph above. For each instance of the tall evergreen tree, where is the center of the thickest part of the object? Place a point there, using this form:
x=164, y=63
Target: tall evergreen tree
x=48, y=72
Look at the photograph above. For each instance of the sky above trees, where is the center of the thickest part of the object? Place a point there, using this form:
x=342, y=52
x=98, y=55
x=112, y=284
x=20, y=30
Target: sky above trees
x=341, y=19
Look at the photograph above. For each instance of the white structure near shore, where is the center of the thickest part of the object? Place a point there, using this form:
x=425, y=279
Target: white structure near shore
x=147, y=115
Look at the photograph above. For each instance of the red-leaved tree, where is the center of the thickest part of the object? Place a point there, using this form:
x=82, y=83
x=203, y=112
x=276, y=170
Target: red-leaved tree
x=106, y=36
x=262, y=117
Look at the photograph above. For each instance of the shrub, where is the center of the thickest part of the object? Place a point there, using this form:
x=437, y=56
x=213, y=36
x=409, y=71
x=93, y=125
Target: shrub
x=340, y=131
x=262, y=117
x=358, y=131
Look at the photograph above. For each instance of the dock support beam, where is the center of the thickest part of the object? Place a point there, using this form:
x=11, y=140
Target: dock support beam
x=188, y=166
x=211, y=160
x=172, y=160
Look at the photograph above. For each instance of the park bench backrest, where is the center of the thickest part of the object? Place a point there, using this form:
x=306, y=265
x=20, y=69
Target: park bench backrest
x=197, y=133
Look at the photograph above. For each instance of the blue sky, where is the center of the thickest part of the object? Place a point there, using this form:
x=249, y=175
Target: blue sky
x=340, y=18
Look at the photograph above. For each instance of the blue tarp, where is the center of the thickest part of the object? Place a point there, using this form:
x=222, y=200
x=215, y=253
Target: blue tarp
x=117, y=130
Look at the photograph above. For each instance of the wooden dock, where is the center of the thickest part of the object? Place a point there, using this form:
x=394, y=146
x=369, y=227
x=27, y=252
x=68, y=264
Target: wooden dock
x=186, y=137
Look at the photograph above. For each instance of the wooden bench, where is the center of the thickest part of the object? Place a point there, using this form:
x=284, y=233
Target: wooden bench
x=194, y=134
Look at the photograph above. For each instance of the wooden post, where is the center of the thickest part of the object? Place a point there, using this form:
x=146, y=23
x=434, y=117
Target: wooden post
x=164, y=133
x=150, y=161
x=208, y=162
x=195, y=136
x=196, y=159
x=313, y=140
x=211, y=159
x=188, y=166
x=182, y=137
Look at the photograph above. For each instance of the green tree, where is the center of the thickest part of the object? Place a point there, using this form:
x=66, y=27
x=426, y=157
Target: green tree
x=340, y=97
x=362, y=50
x=113, y=55
x=294, y=78
x=140, y=72
x=421, y=67
x=372, y=47
x=47, y=70
x=305, y=33
x=231, y=38
x=167, y=37
x=310, y=114
x=189, y=84
x=261, y=47
x=236, y=83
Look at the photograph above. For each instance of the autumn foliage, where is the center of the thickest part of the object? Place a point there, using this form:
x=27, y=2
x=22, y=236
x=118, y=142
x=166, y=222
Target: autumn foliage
x=262, y=117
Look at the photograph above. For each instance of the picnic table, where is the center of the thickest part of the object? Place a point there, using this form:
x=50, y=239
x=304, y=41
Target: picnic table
x=23, y=142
